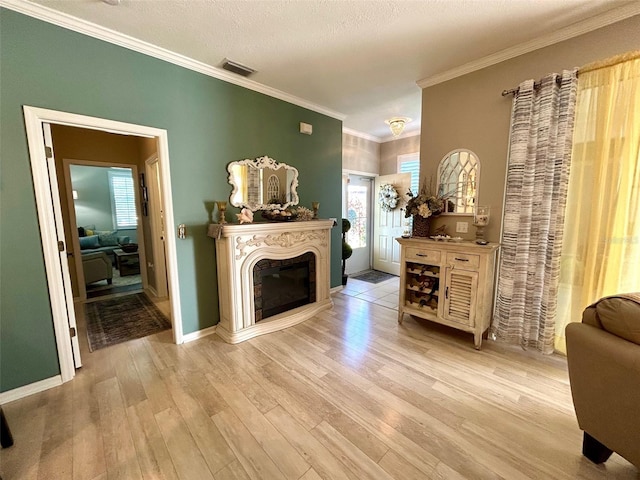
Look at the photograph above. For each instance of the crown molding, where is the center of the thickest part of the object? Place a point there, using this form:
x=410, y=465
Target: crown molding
x=412, y=133
x=373, y=138
x=84, y=27
x=366, y=136
x=579, y=28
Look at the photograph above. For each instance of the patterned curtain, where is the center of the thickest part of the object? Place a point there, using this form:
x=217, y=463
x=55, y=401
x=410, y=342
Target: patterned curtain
x=537, y=178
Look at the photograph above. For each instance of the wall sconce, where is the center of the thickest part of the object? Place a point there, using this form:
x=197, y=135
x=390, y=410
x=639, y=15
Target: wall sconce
x=397, y=124
x=75, y=194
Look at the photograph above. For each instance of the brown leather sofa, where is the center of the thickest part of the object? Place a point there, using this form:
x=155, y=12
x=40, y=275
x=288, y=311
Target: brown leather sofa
x=603, y=353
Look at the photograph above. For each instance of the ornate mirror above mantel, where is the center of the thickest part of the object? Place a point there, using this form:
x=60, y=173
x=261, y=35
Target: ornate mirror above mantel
x=263, y=184
x=458, y=180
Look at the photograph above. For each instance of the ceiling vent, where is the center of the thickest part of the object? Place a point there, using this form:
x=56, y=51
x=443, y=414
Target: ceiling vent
x=237, y=68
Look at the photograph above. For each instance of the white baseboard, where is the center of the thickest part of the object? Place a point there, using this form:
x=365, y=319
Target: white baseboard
x=25, y=391
x=190, y=337
x=150, y=290
x=336, y=289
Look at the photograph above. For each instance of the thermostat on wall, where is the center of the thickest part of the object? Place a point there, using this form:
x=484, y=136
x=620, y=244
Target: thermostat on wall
x=306, y=128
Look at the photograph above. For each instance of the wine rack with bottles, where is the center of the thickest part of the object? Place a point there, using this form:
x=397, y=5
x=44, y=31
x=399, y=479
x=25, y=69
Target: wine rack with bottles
x=448, y=283
x=423, y=286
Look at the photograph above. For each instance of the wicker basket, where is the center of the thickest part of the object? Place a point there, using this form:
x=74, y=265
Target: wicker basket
x=421, y=226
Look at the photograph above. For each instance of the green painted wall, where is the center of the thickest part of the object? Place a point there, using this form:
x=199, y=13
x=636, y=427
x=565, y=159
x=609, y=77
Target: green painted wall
x=93, y=206
x=210, y=123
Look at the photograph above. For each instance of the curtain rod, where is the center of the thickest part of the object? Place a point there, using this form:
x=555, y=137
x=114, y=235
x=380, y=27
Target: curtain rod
x=608, y=62
x=536, y=85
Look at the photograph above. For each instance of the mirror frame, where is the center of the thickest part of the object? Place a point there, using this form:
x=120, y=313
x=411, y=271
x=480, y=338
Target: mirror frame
x=261, y=163
x=440, y=168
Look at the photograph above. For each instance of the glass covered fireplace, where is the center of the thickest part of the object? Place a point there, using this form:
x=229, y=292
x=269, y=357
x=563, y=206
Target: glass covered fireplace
x=282, y=285
x=271, y=275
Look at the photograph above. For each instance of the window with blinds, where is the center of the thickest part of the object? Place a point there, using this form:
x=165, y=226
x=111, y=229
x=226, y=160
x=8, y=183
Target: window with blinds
x=412, y=167
x=123, y=198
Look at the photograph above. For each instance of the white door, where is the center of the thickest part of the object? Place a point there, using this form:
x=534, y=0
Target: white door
x=156, y=217
x=62, y=248
x=359, y=214
x=388, y=226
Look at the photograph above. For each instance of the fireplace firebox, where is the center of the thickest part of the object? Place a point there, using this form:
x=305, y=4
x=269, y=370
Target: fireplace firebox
x=282, y=285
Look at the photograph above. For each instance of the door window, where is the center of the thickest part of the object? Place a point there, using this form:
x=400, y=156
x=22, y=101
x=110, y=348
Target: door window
x=357, y=214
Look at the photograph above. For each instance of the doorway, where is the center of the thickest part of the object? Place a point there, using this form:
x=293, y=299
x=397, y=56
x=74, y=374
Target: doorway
x=55, y=246
x=106, y=228
x=359, y=213
x=103, y=227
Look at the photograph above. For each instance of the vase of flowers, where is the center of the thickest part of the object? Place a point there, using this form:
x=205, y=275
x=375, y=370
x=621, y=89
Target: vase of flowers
x=423, y=207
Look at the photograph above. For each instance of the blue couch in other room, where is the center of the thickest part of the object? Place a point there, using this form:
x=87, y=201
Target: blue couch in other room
x=102, y=241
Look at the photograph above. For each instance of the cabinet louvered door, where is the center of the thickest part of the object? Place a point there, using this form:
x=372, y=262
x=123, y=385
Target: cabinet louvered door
x=460, y=292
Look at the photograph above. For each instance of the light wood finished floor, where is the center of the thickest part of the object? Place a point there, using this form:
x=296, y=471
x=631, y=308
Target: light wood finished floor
x=348, y=394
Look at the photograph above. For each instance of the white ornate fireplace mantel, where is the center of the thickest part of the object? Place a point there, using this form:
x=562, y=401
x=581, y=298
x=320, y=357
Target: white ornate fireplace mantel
x=240, y=247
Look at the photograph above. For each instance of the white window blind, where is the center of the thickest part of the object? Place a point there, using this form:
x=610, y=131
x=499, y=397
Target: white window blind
x=123, y=199
x=412, y=167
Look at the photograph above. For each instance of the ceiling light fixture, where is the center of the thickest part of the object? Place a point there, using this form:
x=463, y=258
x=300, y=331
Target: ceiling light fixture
x=112, y=2
x=397, y=124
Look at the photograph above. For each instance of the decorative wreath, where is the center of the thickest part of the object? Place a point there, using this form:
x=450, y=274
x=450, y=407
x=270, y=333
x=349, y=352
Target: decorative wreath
x=388, y=197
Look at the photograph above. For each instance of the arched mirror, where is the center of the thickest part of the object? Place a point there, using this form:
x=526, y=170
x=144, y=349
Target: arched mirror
x=458, y=177
x=458, y=180
x=263, y=184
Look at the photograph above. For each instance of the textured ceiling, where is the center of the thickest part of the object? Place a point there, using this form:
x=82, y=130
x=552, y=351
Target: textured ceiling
x=360, y=58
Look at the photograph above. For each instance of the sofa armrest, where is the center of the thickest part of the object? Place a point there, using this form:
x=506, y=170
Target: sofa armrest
x=604, y=370
x=96, y=267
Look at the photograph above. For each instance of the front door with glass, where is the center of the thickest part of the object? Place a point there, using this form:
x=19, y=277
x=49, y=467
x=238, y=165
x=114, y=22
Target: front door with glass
x=359, y=214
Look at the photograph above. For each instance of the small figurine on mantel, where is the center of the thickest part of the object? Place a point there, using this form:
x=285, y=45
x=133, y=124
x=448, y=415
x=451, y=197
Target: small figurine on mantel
x=245, y=216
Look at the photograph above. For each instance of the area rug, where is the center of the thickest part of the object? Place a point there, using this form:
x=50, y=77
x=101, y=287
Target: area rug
x=373, y=276
x=120, y=319
x=119, y=284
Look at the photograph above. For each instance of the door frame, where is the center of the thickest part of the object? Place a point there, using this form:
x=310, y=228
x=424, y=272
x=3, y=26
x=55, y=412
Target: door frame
x=35, y=117
x=75, y=239
x=346, y=173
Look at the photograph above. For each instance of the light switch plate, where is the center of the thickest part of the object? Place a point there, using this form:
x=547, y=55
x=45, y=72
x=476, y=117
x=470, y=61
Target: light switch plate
x=462, y=227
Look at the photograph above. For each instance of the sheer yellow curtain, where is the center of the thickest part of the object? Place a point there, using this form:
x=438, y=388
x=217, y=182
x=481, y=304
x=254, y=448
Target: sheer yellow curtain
x=601, y=251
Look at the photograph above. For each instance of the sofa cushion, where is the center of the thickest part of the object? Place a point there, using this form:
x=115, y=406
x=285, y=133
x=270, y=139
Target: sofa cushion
x=90, y=241
x=621, y=317
x=108, y=239
x=124, y=239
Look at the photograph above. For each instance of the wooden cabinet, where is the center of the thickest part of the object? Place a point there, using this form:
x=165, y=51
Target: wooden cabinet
x=448, y=283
